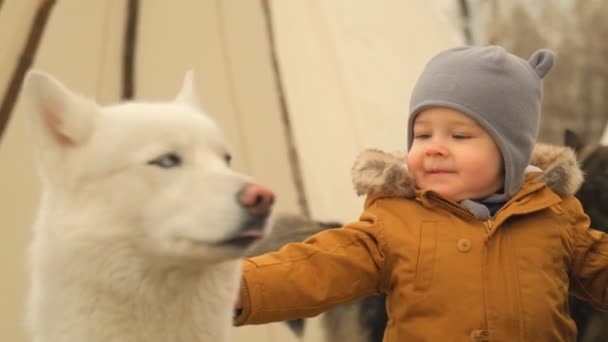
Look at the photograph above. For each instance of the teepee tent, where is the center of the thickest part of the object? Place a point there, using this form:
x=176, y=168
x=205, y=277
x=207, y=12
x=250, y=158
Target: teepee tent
x=300, y=87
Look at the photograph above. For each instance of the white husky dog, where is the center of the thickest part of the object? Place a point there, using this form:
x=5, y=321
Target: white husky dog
x=141, y=221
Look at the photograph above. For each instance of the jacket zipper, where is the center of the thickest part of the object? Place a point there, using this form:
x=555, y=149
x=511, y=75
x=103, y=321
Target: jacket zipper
x=448, y=204
x=488, y=224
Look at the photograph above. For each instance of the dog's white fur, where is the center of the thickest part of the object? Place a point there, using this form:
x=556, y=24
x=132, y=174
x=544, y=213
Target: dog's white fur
x=124, y=249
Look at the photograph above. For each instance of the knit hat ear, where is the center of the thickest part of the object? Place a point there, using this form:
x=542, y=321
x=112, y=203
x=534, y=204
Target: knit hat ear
x=542, y=61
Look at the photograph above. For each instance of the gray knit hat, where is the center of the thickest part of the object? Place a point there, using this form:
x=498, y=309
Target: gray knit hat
x=499, y=90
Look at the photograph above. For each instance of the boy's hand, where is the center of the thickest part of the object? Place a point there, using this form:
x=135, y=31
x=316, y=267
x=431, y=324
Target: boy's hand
x=238, y=307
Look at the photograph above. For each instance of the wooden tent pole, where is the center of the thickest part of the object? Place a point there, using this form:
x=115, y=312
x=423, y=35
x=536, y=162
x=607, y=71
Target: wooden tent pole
x=25, y=62
x=291, y=144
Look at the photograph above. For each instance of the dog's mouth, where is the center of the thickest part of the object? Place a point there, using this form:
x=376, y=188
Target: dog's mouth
x=250, y=231
x=241, y=240
x=244, y=239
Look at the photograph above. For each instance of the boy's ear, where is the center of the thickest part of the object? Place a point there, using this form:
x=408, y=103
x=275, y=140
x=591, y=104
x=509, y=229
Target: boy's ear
x=188, y=94
x=58, y=116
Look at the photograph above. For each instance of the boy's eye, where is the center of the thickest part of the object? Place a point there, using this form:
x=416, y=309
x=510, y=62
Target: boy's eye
x=167, y=161
x=422, y=136
x=461, y=136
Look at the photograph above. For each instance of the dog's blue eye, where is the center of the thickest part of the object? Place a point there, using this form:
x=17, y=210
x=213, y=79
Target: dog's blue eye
x=167, y=161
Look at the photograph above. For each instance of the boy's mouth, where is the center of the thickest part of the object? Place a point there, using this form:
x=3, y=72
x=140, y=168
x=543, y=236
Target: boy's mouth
x=438, y=171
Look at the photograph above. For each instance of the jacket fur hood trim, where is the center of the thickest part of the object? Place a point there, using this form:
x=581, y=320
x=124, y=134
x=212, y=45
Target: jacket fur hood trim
x=378, y=172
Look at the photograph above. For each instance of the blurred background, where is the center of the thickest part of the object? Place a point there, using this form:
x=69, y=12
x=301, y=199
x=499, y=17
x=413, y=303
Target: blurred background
x=300, y=88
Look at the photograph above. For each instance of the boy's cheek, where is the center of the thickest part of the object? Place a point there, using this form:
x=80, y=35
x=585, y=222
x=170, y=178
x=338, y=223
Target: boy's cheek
x=413, y=160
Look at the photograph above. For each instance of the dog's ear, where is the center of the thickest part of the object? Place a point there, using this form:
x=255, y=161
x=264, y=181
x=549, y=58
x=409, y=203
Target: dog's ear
x=573, y=140
x=189, y=92
x=58, y=116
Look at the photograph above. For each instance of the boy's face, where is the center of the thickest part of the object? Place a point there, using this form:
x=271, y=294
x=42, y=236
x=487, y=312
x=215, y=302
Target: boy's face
x=453, y=156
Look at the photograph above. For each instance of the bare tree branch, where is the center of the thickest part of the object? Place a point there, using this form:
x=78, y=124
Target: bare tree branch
x=129, y=47
x=465, y=13
x=25, y=61
x=292, y=151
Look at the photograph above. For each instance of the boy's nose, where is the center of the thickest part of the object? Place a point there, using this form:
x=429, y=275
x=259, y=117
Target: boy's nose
x=436, y=149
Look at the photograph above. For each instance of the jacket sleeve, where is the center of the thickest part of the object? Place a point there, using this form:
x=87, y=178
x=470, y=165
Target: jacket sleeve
x=589, y=280
x=305, y=279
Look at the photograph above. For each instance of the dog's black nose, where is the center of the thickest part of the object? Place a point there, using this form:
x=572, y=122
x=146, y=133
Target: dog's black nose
x=257, y=199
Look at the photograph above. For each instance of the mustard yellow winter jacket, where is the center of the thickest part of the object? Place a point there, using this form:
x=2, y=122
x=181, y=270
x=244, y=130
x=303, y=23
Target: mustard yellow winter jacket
x=448, y=276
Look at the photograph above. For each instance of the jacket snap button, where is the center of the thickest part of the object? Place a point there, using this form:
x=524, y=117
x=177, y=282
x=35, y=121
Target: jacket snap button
x=464, y=245
x=480, y=335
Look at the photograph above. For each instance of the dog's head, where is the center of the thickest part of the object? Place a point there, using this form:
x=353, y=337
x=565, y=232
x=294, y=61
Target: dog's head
x=594, y=192
x=154, y=175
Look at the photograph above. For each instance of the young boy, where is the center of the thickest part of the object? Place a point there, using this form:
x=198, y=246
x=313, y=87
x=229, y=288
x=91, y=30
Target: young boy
x=482, y=252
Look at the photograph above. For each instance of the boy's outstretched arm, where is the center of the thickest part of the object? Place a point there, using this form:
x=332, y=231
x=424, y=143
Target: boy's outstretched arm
x=305, y=279
x=589, y=279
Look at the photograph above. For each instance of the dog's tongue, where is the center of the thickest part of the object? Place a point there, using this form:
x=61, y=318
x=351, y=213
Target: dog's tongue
x=246, y=238
x=252, y=233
